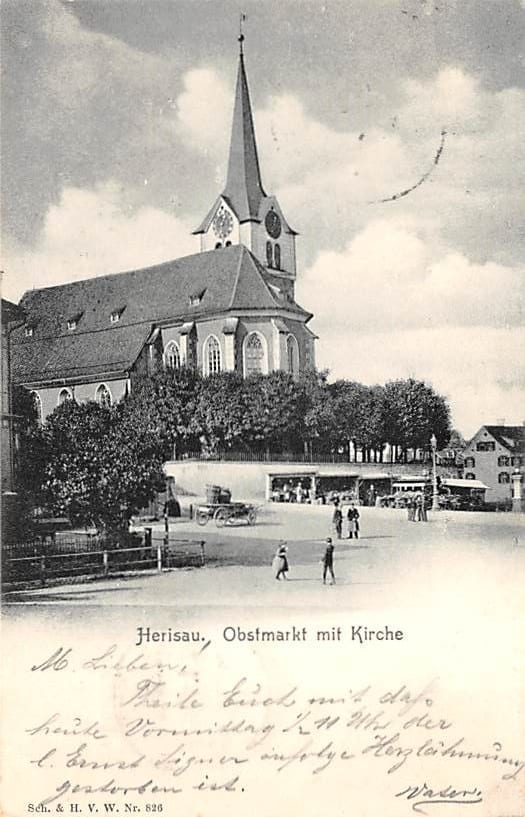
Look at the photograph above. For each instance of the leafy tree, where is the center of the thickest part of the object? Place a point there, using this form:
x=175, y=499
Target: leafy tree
x=165, y=404
x=222, y=416
x=101, y=469
x=413, y=412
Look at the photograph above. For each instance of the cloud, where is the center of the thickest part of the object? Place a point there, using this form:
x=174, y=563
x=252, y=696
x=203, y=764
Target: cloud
x=89, y=233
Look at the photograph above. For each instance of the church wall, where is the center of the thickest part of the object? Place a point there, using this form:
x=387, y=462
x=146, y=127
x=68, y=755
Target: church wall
x=80, y=391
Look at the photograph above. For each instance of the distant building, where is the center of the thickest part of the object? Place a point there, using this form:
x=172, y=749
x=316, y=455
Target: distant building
x=492, y=455
x=230, y=307
x=11, y=316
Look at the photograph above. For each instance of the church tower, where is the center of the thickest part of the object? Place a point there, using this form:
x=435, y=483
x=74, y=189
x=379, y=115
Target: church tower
x=244, y=213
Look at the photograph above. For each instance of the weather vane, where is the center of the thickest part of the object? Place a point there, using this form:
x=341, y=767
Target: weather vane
x=242, y=18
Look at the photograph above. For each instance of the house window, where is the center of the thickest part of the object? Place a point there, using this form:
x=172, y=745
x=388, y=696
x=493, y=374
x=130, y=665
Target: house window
x=292, y=355
x=470, y=475
x=503, y=478
x=37, y=403
x=212, y=355
x=486, y=446
x=253, y=355
x=103, y=396
x=172, y=356
x=65, y=394
x=503, y=461
x=277, y=256
x=470, y=462
x=269, y=254
x=517, y=461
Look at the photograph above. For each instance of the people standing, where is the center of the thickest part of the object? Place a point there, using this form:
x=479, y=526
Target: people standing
x=328, y=561
x=337, y=521
x=353, y=522
x=280, y=562
x=411, y=508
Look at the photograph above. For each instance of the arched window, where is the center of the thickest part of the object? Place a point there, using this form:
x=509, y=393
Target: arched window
x=269, y=254
x=254, y=354
x=64, y=395
x=277, y=256
x=218, y=245
x=470, y=462
x=503, y=478
x=103, y=395
x=228, y=243
x=503, y=461
x=470, y=475
x=212, y=355
x=292, y=355
x=37, y=403
x=172, y=356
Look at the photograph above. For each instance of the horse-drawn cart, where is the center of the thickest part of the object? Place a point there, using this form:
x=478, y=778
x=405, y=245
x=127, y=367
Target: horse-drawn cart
x=226, y=513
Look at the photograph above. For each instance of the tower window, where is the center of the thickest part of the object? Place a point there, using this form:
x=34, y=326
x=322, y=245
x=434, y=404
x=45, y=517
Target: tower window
x=212, y=356
x=218, y=245
x=228, y=243
x=172, y=356
x=103, y=396
x=269, y=254
x=277, y=256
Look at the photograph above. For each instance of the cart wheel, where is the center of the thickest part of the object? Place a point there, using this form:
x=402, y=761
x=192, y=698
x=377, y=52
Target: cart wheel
x=221, y=517
x=202, y=517
x=252, y=517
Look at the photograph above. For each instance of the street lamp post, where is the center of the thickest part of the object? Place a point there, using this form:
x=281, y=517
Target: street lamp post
x=433, y=446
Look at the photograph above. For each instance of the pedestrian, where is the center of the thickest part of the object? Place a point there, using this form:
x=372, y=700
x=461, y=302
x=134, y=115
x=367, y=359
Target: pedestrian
x=337, y=521
x=411, y=508
x=421, y=511
x=328, y=561
x=299, y=493
x=280, y=562
x=353, y=522
x=287, y=492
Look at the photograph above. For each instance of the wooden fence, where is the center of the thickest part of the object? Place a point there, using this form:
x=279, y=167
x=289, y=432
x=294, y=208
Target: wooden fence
x=90, y=556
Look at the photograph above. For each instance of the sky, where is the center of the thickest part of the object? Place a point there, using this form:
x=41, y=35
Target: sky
x=115, y=131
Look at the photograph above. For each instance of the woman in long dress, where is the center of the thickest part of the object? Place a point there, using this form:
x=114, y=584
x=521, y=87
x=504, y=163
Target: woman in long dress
x=280, y=562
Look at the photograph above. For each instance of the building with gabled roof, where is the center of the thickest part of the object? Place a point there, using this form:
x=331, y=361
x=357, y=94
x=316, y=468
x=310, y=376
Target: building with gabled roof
x=492, y=455
x=229, y=307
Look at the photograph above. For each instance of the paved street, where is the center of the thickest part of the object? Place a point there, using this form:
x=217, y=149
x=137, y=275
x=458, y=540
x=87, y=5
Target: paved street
x=398, y=564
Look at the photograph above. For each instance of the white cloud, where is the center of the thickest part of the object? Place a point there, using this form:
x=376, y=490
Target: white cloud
x=88, y=233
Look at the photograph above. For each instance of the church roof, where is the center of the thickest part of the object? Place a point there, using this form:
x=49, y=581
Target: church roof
x=115, y=313
x=243, y=183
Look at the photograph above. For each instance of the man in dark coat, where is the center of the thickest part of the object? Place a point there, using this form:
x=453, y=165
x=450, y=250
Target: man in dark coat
x=328, y=561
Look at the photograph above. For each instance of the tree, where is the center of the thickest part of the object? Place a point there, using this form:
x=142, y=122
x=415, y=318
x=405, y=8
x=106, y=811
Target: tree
x=413, y=412
x=165, y=404
x=101, y=468
x=222, y=415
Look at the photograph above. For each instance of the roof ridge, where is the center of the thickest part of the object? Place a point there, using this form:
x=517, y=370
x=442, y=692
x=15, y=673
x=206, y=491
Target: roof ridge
x=237, y=276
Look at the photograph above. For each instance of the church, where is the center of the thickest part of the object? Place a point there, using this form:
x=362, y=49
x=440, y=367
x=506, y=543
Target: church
x=229, y=307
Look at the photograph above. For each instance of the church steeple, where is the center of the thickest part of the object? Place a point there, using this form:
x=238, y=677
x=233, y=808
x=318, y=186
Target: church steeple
x=244, y=188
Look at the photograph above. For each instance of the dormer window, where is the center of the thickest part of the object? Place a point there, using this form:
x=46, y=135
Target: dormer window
x=29, y=331
x=72, y=322
x=116, y=315
x=196, y=298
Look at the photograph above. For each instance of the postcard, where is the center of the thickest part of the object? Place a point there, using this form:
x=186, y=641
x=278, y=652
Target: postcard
x=262, y=375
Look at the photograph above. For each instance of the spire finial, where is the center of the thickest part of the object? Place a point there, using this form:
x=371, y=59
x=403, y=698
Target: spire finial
x=240, y=38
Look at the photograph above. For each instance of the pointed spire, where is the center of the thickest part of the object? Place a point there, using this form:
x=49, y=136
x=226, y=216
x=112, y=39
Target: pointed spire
x=244, y=187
